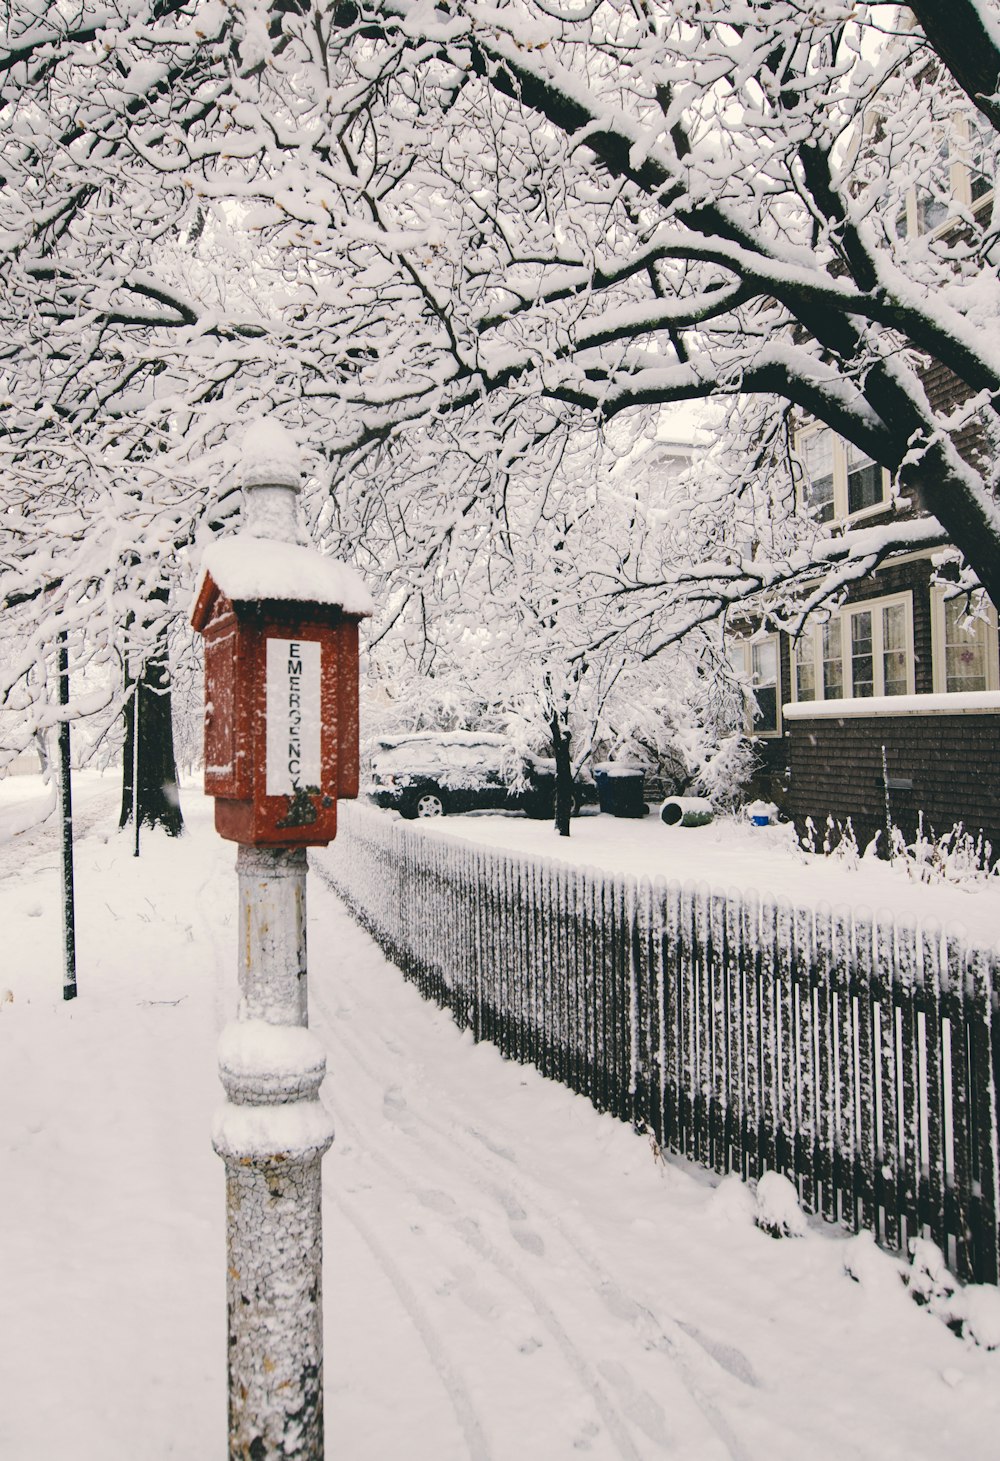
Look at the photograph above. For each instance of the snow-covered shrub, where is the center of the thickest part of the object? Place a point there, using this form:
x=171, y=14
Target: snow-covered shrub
x=928, y=1280
x=980, y=1314
x=725, y=772
x=973, y=1311
x=778, y=1211
x=871, y=1266
x=955, y=857
x=732, y=1203
x=839, y=841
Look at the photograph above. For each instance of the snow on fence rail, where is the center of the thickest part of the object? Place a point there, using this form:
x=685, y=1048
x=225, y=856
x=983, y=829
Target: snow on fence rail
x=858, y=1056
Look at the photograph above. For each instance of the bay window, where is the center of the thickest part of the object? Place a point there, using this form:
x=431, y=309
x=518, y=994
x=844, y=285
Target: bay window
x=964, y=629
x=865, y=650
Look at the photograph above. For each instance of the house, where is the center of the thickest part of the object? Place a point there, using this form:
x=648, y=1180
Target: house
x=884, y=709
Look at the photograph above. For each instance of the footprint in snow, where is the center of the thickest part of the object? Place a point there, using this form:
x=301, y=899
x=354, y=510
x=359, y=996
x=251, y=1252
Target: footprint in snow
x=732, y=1360
x=437, y=1201
x=637, y=1405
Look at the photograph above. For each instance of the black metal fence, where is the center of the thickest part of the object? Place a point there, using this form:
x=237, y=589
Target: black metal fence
x=860, y=1057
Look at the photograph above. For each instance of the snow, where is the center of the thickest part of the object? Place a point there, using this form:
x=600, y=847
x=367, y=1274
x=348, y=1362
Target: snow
x=778, y=1211
x=271, y=456
x=732, y=853
x=246, y=567
x=455, y=758
x=254, y=1047
x=508, y=1274
x=249, y=1131
x=962, y=702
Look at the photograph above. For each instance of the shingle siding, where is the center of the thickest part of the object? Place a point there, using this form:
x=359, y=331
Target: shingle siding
x=836, y=770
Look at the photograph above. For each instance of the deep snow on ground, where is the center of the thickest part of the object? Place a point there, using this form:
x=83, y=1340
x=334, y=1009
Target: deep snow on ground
x=729, y=852
x=508, y=1274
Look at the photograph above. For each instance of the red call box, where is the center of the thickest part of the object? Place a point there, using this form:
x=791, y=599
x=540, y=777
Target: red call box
x=281, y=715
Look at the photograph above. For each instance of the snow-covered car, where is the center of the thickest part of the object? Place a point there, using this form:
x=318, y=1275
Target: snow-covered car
x=431, y=773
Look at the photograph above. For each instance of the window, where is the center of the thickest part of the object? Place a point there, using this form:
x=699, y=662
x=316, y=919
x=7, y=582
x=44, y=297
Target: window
x=965, y=642
x=764, y=676
x=961, y=174
x=817, y=449
x=865, y=484
x=758, y=661
x=865, y=650
x=971, y=171
x=838, y=481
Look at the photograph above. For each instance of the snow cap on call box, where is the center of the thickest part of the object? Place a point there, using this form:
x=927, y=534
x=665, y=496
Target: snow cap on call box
x=271, y=556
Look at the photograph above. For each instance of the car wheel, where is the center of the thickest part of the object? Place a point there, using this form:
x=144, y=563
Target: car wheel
x=428, y=804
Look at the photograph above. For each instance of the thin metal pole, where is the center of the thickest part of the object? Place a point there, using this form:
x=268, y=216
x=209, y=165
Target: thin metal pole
x=135, y=766
x=66, y=805
x=272, y=1133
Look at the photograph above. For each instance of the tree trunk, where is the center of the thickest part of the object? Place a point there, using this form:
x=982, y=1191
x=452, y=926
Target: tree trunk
x=564, y=774
x=149, y=778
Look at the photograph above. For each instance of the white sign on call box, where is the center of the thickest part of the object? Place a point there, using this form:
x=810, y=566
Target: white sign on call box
x=293, y=715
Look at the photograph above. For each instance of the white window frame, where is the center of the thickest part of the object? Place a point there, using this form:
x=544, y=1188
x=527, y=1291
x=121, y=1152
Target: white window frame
x=744, y=649
x=939, y=595
x=841, y=458
x=810, y=644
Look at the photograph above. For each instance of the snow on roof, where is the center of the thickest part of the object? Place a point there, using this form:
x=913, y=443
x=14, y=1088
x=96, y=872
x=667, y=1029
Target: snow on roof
x=446, y=738
x=245, y=568
x=962, y=702
x=271, y=456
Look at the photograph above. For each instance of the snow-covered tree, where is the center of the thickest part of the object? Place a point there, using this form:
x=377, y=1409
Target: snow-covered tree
x=435, y=239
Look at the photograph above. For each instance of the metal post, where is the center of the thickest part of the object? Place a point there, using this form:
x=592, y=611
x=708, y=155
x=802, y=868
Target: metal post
x=66, y=807
x=135, y=768
x=272, y=1133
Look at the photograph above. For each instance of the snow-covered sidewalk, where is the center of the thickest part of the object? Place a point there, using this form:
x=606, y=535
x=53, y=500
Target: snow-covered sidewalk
x=508, y=1274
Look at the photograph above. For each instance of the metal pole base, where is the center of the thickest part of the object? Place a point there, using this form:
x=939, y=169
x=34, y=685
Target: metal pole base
x=272, y=1132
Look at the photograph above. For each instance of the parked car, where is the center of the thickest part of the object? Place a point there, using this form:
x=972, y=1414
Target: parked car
x=433, y=773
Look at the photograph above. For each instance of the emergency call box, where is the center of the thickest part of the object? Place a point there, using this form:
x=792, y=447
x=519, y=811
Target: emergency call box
x=281, y=715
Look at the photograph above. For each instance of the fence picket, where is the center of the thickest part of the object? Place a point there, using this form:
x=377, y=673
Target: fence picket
x=985, y=1195
x=956, y=1049
x=887, y=1069
x=845, y=1157
x=825, y=1037
x=867, y=1105
x=909, y=1140
x=657, y=995
x=718, y=1094
x=687, y=1020
x=769, y=1117
x=736, y=1107
x=805, y=1060
x=934, y=1185
x=784, y=1140
x=703, y=1027
x=673, y=1059
x=642, y=1009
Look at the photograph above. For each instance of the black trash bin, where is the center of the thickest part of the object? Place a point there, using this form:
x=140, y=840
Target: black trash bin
x=621, y=791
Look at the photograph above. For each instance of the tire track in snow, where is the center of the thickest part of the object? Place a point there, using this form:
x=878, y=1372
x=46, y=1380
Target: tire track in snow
x=468, y=1230
x=636, y=1406
x=470, y=1233
x=461, y=1402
